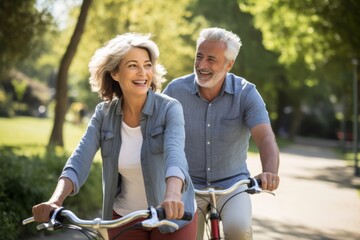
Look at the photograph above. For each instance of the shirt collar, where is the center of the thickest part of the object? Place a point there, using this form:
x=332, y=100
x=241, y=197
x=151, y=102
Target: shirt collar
x=148, y=108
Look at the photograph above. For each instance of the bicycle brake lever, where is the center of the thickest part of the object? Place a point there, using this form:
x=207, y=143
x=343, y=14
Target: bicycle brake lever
x=269, y=192
x=53, y=224
x=154, y=221
x=153, y=224
x=255, y=188
x=50, y=226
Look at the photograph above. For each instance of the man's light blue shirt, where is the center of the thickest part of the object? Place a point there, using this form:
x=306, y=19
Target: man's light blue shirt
x=217, y=133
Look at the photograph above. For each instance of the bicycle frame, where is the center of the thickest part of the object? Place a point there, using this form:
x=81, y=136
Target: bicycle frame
x=253, y=187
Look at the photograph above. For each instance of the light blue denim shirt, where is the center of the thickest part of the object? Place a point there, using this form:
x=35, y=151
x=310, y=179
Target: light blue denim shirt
x=162, y=152
x=218, y=132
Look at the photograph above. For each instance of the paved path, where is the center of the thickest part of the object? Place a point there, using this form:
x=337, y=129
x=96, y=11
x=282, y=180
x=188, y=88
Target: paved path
x=316, y=199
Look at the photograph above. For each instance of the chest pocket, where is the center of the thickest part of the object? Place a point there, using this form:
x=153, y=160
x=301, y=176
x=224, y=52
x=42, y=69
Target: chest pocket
x=106, y=143
x=157, y=140
x=230, y=130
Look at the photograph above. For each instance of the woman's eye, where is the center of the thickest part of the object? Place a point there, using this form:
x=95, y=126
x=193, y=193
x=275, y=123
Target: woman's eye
x=149, y=65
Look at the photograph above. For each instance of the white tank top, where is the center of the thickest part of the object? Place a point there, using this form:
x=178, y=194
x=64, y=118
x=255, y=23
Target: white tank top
x=132, y=196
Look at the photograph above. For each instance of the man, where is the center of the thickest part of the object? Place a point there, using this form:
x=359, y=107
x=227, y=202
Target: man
x=221, y=112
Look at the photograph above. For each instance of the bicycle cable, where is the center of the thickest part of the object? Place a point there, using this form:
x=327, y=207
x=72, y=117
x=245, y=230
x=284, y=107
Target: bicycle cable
x=229, y=200
x=89, y=233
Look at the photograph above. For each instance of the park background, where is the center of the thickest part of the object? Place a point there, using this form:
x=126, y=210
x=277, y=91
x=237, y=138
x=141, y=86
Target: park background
x=302, y=56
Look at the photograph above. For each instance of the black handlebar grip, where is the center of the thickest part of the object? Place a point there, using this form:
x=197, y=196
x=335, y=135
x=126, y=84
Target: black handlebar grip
x=187, y=216
x=58, y=216
x=252, y=182
x=161, y=215
x=259, y=182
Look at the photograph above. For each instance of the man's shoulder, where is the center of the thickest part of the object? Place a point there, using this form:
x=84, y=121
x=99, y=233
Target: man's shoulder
x=239, y=83
x=237, y=79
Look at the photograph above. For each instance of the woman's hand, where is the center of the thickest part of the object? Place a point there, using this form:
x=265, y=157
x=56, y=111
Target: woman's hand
x=41, y=212
x=172, y=204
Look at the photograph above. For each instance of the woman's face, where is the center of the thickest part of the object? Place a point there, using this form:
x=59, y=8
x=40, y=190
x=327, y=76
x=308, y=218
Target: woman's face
x=135, y=72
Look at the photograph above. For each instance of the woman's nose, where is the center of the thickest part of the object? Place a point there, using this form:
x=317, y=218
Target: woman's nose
x=141, y=70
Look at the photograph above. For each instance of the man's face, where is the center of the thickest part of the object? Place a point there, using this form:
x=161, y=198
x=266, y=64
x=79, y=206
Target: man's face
x=211, y=65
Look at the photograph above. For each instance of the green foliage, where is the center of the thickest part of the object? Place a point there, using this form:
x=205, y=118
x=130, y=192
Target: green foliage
x=20, y=87
x=21, y=28
x=315, y=41
x=22, y=186
x=26, y=181
x=6, y=108
x=165, y=20
x=29, y=173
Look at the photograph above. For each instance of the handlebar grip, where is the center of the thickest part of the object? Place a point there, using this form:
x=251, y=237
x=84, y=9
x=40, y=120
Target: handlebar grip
x=252, y=182
x=259, y=182
x=187, y=216
x=161, y=215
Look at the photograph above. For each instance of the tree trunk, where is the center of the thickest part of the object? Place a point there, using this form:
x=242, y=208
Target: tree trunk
x=56, y=138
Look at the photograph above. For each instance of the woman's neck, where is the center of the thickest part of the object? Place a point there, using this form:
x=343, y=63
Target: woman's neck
x=132, y=109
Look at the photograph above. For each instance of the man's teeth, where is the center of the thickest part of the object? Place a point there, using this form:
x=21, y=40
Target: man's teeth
x=204, y=72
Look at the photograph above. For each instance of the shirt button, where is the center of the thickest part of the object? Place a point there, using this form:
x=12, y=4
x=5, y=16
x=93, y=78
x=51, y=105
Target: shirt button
x=209, y=169
x=208, y=184
x=208, y=125
x=208, y=143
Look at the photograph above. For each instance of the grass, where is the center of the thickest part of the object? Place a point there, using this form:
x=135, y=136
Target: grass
x=30, y=136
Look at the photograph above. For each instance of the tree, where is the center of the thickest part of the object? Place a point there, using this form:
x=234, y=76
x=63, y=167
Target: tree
x=56, y=138
x=315, y=41
x=21, y=29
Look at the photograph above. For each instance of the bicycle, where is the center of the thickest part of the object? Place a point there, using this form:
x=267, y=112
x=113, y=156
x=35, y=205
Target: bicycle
x=213, y=229
x=154, y=217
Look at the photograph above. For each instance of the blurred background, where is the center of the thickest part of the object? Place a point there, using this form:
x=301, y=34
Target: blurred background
x=302, y=56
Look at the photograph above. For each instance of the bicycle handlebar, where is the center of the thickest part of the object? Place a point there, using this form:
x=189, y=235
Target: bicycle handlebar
x=155, y=218
x=252, y=183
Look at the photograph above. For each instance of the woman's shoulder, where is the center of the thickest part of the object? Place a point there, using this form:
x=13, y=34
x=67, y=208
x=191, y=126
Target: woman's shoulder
x=106, y=106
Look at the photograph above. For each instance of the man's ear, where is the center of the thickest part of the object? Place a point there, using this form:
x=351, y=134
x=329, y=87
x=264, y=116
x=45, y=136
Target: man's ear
x=230, y=64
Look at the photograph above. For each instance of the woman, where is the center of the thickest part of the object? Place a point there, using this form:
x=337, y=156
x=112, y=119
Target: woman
x=141, y=136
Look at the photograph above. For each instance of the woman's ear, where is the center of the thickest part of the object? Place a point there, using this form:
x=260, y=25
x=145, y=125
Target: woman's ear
x=113, y=75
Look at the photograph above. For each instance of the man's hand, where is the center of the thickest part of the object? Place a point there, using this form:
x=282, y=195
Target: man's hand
x=269, y=181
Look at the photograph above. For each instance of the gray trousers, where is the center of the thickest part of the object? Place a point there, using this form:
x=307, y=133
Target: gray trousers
x=236, y=216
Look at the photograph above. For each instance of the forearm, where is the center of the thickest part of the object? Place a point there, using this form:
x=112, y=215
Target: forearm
x=63, y=189
x=173, y=188
x=269, y=154
x=174, y=207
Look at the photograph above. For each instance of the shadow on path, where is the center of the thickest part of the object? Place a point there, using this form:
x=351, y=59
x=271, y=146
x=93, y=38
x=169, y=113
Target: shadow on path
x=278, y=231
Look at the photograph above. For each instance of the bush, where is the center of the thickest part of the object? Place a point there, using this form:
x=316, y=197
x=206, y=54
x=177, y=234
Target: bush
x=26, y=181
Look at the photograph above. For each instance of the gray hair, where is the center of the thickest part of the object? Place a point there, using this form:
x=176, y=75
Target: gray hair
x=107, y=59
x=232, y=41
